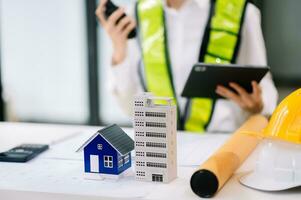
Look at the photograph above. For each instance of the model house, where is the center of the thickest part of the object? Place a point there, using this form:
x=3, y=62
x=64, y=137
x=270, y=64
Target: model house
x=107, y=153
x=155, y=125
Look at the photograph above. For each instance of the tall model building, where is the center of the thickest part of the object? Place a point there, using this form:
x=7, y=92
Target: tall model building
x=155, y=128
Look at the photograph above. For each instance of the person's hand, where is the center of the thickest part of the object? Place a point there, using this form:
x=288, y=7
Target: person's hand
x=251, y=102
x=118, y=32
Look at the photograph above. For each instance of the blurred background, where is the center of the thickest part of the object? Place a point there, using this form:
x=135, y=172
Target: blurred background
x=54, y=59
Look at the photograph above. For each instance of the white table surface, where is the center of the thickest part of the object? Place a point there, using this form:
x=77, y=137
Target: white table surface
x=58, y=173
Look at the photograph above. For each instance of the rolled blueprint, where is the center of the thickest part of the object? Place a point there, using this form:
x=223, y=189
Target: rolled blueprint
x=213, y=174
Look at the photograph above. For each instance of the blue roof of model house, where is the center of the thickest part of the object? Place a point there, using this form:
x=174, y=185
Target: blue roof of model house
x=116, y=137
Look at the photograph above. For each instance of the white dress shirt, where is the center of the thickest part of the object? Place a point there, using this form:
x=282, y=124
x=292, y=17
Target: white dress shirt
x=185, y=29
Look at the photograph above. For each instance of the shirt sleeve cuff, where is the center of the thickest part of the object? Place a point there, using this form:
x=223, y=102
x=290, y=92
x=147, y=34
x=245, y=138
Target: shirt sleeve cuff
x=118, y=71
x=119, y=74
x=267, y=110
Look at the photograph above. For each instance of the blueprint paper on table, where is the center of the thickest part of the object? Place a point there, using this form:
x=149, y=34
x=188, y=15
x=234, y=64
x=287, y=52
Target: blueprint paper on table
x=61, y=170
x=66, y=177
x=67, y=150
x=195, y=149
x=192, y=149
x=13, y=134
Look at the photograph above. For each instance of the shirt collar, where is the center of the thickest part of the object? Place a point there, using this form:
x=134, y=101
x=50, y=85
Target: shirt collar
x=200, y=3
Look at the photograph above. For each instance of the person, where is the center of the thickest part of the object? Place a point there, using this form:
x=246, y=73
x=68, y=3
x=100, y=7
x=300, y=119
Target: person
x=2, y=105
x=173, y=35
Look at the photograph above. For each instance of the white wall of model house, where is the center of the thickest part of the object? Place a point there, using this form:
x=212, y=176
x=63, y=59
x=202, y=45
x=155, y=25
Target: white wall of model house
x=155, y=128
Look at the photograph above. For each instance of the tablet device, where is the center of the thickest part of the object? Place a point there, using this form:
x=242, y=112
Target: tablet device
x=204, y=78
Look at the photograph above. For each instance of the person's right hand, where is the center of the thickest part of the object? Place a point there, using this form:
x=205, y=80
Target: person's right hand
x=118, y=32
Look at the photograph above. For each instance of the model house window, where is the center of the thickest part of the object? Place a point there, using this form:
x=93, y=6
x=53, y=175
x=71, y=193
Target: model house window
x=155, y=144
x=139, y=144
x=155, y=114
x=155, y=155
x=139, y=123
x=138, y=103
x=126, y=159
x=120, y=162
x=156, y=165
x=140, y=163
x=139, y=153
x=139, y=114
x=108, y=161
x=155, y=124
x=157, y=178
x=140, y=173
x=139, y=134
x=153, y=134
x=99, y=146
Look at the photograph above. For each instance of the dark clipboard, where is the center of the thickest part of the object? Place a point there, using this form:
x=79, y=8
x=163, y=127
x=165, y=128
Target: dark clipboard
x=204, y=78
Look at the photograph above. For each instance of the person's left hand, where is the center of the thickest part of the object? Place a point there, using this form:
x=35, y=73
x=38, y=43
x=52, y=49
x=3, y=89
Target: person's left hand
x=251, y=102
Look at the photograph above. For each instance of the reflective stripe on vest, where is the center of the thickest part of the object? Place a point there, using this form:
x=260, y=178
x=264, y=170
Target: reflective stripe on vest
x=220, y=45
x=158, y=78
x=223, y=32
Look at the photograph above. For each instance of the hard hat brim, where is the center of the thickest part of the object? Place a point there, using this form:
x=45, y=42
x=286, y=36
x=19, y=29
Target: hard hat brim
x=259, y=182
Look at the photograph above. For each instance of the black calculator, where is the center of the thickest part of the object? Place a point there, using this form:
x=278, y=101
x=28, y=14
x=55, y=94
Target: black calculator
x=23, y=153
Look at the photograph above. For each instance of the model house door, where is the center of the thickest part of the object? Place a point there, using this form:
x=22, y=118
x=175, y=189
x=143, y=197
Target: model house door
x=94, y=163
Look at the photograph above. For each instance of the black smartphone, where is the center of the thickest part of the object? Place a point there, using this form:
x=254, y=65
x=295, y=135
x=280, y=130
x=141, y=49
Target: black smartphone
x=23, y=153
x=110, y=8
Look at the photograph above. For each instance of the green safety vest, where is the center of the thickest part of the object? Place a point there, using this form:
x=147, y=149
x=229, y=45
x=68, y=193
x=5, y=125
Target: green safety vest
x=220, y=45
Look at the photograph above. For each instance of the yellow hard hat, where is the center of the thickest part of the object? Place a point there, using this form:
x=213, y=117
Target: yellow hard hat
x=285, y=123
